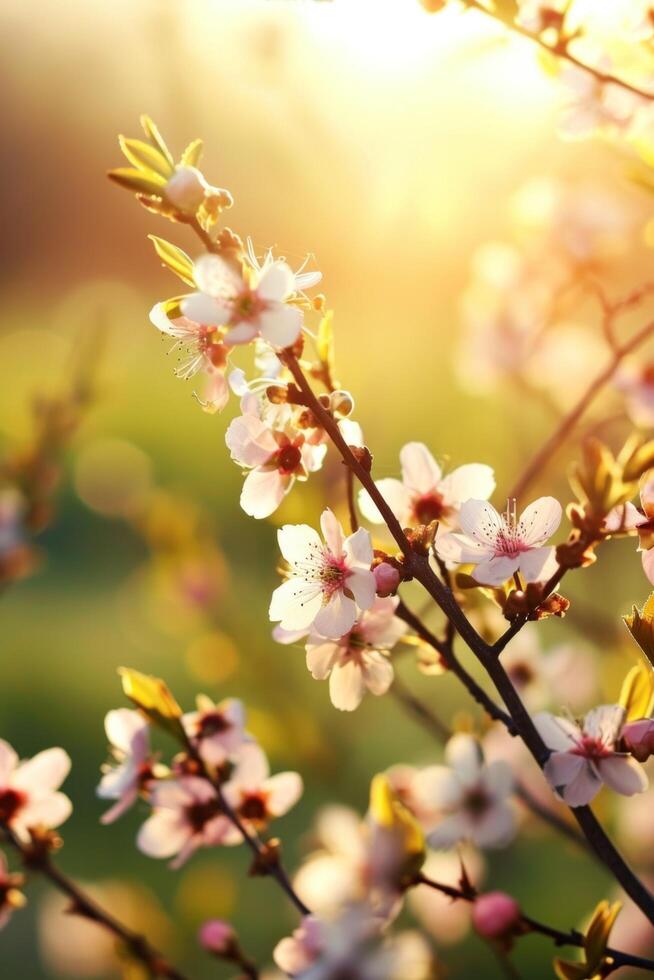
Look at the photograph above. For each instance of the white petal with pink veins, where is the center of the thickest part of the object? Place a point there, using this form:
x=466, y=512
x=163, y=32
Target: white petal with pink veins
x=604, y=723
x=336, y=617
x=332, y=532
x=263, y=492
x=43, y=773
x=461, y=549
x=557, y=733
x=472, y=481
x=377, y=672
x=358, y=548
x=250, y=441
x=281, y=325
x=277, y=282
x=346, y=686
x=539, y=520
x=496, y=570
x=480, y=521
x=163, y=834
x=420, y=471
x=298, y=542
x=321, y=658
x=538, y=564
x=362, y=585
x=284, y=789
x=396, y=496
x=623, y=774
x=295, y=604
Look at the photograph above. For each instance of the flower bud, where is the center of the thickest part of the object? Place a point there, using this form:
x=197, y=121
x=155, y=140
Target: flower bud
x=217, y=937
x=341, y=404
x=387, y=579
x=496, y=915
x=638, y=737
x=186, y=188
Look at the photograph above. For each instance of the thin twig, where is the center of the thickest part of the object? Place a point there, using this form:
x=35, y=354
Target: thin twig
x=83, y=905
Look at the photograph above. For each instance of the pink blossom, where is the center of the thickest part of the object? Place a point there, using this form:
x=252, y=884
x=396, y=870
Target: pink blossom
x=295, y=954
x=358, y=661
x=29, y=796
x=638, y=738
x=218, y=730
x=586, y=756
x=186, y=815
x=328, y=583
x=217, y=936
x=257, y=796
x=500, y=544
x=129, y=738
x=424, y=494
x=253, y=304
x=471, y=796
x=387, y=579
x=496, y=915
x=276, y=453
x=625, y=518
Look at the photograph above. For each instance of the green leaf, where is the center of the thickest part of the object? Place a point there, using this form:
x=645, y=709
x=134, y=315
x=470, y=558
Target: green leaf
x=155, y=137
x=146, y=157
x=135, y=181
x=153, y=697
x=192, y=153
x=566, y=970
x=175, y=258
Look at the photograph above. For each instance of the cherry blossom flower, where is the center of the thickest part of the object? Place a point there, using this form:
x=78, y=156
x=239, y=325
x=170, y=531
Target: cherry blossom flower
x=249, y=305
x=335, y=873
x=257, y=796
x=275, y=452
x=585, y=756
x=500, y=544
x=218, y=730
x=29, y=797
x=327, y=582
x=295, y=954
x=129, y=737
x=593, y=105
x=424, y=494
x=186, y=815
x=472, y=797
x=358, y=661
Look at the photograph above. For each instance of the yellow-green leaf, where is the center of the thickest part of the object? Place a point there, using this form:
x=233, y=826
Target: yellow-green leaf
x=175, y=258
x=153, y=697
x=155, y=137
x=641, y=626
x=637, y=692
x=146, y=157
x=135, y=180
x=192, y=153
x=566, y=970
x=389, y=814
x=599, y=930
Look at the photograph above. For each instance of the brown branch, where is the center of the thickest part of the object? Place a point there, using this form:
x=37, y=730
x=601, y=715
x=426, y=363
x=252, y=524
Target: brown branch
x=35, y=858
x=560, y=50
x=528, y=924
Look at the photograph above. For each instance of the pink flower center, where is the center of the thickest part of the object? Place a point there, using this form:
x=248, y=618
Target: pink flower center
x=253, y=807
x=198, y=814
x=247, y=306
x=333, y=574
x=591, y=748
x=288, y=459
x=11, y=801
x=477, y=801
x=212, y=723
x=509, y=543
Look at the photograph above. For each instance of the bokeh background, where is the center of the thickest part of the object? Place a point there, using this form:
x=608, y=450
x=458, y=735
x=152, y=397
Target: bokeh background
x=387, y=143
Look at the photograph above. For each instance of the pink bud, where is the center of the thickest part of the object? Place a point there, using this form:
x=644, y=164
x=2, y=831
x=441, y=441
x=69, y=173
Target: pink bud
x=387, y=579
x=495, y=915
x=217, y=937
x=638, y=738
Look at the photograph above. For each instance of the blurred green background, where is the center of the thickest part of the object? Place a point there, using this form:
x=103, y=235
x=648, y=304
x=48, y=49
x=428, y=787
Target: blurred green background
x=386, y=143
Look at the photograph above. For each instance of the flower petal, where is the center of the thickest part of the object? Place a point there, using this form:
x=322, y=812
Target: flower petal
x=496, y=570
x=297, y=542
x=281, y=325
x=263, y=492
x=540, y=520
x=337, y=617
x=362, y=585
x=295, y=604
x=538, y=564
x=346, y=686
x=332, y=532
x=284, y=789
x=420, y=471
x=558, y=733
x=623, y=774
x=163, y=834
x=321, y=657
x=472, y=481
x=481, y=522
x=43, y=773
x=396, y=496
x=277, y=282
